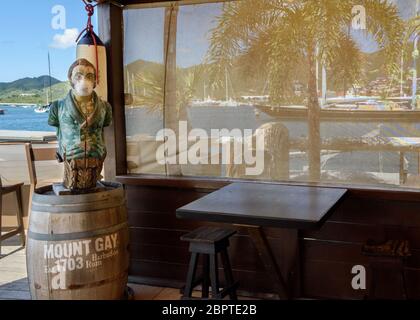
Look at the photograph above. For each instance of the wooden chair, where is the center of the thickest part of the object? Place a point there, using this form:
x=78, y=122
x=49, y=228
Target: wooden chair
x=33, y=155
x=38, y=154
x=20, y=228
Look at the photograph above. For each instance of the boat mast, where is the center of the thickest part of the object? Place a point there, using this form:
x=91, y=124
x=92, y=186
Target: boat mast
x=317, y=69
x=323, y=77
x=128, y=81
x=402, y=74
x=226, y=81
x=133, y=84
x=49, y=95
x=324, y=84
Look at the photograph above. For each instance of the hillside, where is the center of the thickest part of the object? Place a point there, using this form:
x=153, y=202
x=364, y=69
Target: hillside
x=246, y=78
x=32, y=90
x=38, y=83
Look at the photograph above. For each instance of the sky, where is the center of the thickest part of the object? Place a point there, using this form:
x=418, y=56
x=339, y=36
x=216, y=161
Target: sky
x=194, y=23
x=29, y=29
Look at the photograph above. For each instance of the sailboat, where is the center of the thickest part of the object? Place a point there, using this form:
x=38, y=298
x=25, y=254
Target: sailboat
x=229, y=102
x=42, y=109
x=45, y=108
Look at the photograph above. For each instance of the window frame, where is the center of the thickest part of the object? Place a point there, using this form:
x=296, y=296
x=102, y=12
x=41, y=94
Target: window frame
x=110, y=18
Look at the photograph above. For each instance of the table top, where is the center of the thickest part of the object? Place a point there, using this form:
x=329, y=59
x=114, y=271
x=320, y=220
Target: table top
x=269, y=205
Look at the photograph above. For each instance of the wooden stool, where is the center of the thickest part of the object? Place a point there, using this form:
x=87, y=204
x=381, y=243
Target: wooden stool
x=16, y=188
x=390, y=255
x=209, y=241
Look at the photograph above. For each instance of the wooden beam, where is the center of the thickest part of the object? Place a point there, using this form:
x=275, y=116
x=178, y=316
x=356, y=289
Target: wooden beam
x=110, y=20
x=205, y=184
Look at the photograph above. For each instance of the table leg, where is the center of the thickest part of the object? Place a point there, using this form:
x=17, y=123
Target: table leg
x=264, y=251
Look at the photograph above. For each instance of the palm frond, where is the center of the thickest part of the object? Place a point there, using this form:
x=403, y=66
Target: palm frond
x=151, y=86
x=387, y=28
x=238, y=26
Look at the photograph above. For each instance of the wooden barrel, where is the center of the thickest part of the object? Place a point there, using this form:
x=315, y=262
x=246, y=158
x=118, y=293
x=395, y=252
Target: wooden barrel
x=78, y=245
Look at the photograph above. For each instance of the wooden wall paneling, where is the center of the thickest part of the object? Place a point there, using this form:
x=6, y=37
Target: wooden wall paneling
x=327, y=254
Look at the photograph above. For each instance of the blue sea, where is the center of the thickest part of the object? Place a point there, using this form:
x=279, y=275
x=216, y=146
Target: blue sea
x=24, y=119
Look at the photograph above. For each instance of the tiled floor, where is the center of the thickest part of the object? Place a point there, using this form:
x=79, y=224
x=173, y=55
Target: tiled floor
x=14, y=281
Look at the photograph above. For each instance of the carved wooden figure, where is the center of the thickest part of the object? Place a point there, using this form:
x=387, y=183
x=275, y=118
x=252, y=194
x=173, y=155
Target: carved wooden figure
x=80, y=119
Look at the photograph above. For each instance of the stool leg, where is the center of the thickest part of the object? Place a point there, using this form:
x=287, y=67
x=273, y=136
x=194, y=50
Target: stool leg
x=214, y=276
x=206, y=276
x=404, y=286
x=20, y=216
x=191, y=275
x=228, y=274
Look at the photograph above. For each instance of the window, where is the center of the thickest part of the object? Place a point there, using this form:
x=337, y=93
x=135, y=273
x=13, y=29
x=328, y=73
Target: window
x=144, y=73
x=304, y=91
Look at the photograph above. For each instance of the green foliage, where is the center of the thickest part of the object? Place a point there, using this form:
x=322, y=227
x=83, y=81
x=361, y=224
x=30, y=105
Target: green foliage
x=149, y=84
x=34, y=96
x=286, y=33
x=346, y=65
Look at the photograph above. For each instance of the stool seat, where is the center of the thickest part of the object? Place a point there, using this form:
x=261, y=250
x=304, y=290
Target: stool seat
x=208, y=235
x=209, y=242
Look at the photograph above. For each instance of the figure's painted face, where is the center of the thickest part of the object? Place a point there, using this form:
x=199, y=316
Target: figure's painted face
x=83, y=80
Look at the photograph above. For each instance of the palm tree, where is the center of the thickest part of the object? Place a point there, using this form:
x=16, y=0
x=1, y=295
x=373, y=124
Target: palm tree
x=152, y=89
x=413, y=30
x=285, y=33
x=346, y=68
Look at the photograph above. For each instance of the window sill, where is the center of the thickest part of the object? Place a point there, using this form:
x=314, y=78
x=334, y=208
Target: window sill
x=214, y=183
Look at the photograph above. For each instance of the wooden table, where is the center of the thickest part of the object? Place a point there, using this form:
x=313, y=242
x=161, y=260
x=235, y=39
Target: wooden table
x=257, y=205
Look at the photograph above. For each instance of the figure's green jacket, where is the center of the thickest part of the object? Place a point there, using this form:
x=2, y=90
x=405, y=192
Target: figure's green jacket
x=76, y=142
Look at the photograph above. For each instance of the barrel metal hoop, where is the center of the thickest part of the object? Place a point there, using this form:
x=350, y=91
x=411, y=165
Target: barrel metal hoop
x=75, y=208
x=75, y=235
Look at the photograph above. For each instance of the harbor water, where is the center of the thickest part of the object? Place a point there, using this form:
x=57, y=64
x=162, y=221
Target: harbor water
x=23, y=118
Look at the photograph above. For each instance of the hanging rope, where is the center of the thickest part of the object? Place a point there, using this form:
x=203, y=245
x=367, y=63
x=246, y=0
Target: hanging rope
x=90, y=9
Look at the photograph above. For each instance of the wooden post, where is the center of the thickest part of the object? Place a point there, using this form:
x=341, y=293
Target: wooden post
x=170, y=112
x=110, y=23
x=314, y=135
